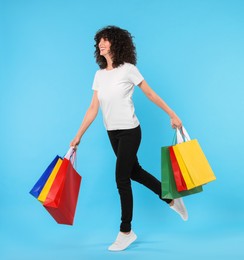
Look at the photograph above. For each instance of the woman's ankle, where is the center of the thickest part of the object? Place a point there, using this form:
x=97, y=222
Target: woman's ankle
x=126, y=233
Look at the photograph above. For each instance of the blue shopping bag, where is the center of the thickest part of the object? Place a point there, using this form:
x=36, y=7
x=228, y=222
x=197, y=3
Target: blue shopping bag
x=36, y=190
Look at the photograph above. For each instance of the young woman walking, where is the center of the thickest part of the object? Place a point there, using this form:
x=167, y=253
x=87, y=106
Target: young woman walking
x=113, y=88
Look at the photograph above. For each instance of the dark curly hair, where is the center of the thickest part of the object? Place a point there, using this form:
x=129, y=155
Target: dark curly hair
x=122, y=46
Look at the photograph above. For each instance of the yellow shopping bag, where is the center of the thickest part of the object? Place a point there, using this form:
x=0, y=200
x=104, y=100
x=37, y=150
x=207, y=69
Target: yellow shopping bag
x=48, y=184
x=193, y=163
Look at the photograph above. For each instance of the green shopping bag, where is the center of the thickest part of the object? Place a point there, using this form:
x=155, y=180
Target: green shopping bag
x=169, y=190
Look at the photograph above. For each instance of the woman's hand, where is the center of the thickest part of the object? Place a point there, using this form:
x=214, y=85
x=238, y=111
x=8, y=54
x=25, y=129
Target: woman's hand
x=75, y=142
x=175, y=121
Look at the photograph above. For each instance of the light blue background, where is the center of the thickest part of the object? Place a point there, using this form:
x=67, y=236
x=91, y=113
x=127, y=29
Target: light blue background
x=191, y=53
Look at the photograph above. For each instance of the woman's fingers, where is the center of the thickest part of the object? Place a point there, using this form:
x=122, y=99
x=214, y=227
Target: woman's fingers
x=176, y=123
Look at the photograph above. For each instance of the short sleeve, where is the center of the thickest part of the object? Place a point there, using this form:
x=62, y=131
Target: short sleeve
x=95, y=82
x=135, y=76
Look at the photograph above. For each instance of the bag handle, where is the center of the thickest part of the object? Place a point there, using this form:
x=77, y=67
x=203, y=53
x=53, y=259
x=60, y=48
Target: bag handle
x=73, y=159
x=71, y=156
x=182, y=135
x=174, y=142
x=70, y=152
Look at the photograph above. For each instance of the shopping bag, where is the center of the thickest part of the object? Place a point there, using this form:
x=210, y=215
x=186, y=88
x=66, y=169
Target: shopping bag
x=37, y=188
x=182, y=136
x=179, y=180
x=49, y=182
x=168, y=185
x=193, y=164
x=62, y=197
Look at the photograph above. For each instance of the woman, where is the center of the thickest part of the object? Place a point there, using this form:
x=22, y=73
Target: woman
x=113, y=88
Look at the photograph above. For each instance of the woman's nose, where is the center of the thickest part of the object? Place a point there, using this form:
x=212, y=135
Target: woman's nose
x=101, y=42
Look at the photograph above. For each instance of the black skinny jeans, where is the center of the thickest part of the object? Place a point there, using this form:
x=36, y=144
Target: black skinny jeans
x=125, y=144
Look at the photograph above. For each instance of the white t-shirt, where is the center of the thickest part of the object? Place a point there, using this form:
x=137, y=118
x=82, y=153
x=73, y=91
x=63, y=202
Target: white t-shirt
x=115, y=88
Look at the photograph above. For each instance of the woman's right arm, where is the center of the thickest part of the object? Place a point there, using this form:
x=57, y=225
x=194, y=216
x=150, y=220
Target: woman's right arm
x=89, y=117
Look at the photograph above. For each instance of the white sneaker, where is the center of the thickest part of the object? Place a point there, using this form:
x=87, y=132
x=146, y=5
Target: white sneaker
x=123, y=241
x=180, y=208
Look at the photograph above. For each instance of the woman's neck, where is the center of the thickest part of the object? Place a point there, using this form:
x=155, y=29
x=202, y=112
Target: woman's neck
x=109, y=63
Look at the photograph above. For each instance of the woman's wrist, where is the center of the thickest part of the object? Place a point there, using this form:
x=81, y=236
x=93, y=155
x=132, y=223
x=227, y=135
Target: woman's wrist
x=171, y=114
x=78, y=136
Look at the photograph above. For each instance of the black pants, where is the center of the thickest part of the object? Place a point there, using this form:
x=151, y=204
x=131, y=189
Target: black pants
x=125, y=144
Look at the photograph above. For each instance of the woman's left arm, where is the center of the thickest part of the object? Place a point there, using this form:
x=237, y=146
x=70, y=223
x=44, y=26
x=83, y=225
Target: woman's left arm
x=152, y=95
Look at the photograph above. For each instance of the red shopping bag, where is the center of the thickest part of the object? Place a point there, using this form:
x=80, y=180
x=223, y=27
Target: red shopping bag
x=179, y=180
x=62, y=198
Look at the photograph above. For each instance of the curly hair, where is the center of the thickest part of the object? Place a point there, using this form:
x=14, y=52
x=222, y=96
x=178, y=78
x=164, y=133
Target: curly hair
x=122, y=46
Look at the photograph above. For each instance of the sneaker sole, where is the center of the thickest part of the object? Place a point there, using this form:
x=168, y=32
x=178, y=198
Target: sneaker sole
x=133, y=239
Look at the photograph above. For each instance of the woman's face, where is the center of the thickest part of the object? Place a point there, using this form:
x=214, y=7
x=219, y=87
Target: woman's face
x=104, y=47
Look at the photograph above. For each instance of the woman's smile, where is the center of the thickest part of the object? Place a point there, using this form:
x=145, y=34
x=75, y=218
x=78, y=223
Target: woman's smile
x=104, y=46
